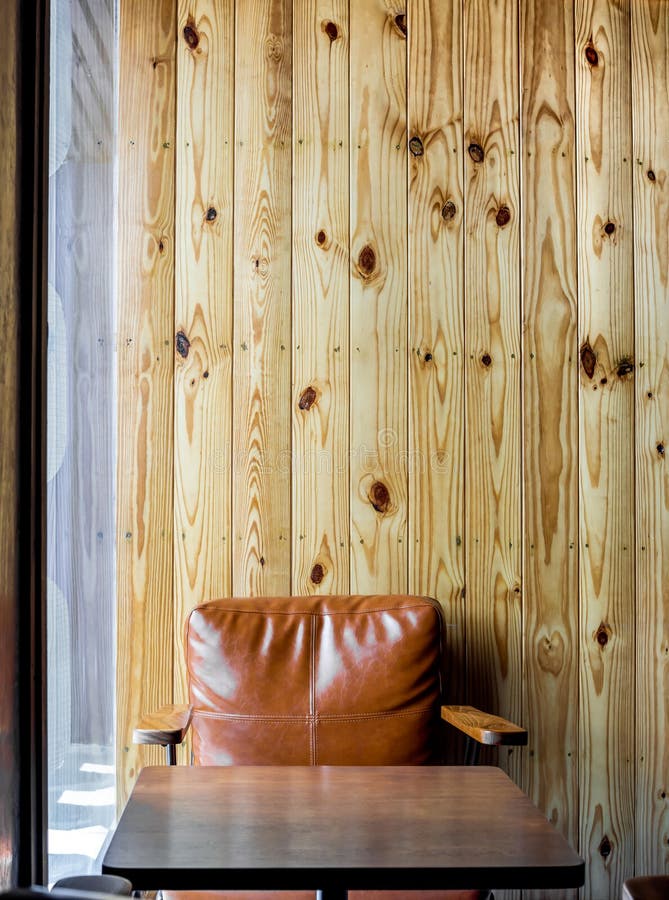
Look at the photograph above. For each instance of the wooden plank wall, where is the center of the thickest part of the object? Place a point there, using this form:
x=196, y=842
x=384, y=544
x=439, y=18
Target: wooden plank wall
x=146, y=348
x=393, y=316
x=202, y=312
x=650, y=191
x=606, y=450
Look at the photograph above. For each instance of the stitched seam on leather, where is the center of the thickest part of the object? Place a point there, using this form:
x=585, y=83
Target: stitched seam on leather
x=315, y=717
x=361, y=717
x=240, y=717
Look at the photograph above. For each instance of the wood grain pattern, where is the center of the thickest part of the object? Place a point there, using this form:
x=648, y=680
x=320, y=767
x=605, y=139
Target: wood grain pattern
x=550, y=401
x=483, y=727
x=320, y=504
x=167, y=725
x=378, y=317
x=203, y=312
x=606, y=429
x=650, y=127
x=492, y=330
x=10, y=409
x=436, y=314
x=145, y=381
x=262, y=284
x=375, y=436
x=387, y=827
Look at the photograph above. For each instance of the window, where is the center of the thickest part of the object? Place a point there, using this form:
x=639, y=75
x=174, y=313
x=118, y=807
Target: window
x=81, y=434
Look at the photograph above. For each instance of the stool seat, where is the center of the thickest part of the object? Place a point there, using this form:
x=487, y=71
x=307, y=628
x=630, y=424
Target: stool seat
x=96, y=884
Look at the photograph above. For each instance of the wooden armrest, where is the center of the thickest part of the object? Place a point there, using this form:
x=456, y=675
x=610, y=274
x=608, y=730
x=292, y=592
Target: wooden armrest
x=484, y=727
x=167, y=725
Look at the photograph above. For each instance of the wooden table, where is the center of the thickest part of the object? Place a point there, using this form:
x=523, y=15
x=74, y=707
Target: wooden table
x=334, y=829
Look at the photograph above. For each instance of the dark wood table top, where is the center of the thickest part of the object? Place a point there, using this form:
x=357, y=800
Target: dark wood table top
x=285, y=827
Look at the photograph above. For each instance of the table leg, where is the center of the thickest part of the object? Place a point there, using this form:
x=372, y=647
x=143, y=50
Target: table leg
x=332, y=894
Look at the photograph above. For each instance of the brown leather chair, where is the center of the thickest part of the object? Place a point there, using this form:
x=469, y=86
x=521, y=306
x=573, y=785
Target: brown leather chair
x=342, y=680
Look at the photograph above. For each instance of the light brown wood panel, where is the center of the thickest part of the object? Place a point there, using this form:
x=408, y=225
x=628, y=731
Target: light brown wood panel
x=550, y=402
x=650, y=119
x=262, y=285
x=436, y=318
x=378, y=316
x=145, y=381
x=492, y=364
x=320, y=504
x=203, y=312
x=606, y=442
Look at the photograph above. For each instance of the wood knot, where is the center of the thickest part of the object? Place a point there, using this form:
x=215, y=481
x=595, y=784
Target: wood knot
x=603, y=634
x=651, y=175
x=428, y=357
x=588, y=359
x=625, y=368
x=605, y=848
x=273, y=48
x=321, y=238
x=476, y=152
x=161, y=246
x=416, y=146
x=448, y=211
x=591, y=55
x=379, y=497
x=317, y=573
x=367, y=261
x=503, y=216
x=331, y=30
x=205, y=374
x=262, y=560
x=211, y=214
x=401, y=24
x=660, y=448
x=183, y=344
x=307, y=398
x=191, y=35
x=486, y=360
x=609, y=228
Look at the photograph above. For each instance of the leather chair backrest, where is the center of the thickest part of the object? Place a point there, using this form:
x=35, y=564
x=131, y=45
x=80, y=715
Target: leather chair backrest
x=343, y=680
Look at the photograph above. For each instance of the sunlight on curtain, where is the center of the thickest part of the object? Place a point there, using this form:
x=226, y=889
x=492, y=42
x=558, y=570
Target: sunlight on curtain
x=81, y=434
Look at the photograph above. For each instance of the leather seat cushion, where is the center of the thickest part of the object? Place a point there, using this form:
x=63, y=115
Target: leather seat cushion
x=346, y=680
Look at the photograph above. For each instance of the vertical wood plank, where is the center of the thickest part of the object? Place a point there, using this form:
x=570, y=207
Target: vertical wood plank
x=650, y=118
x=145, y=381
x=436, y=313
x=550, y=399
x=203, y=311
x=606, y=428
x=320, y=526
x=492, y=342
x=378, y=316
x=261, y=362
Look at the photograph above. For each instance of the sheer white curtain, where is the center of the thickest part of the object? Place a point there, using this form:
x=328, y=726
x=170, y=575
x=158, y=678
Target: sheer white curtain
x=81, y=433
